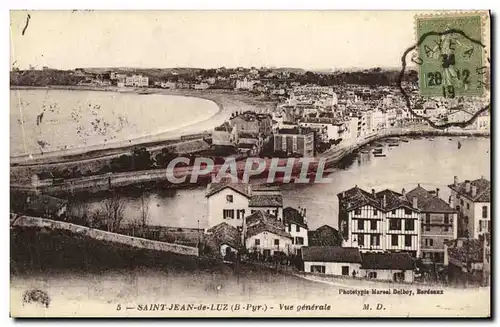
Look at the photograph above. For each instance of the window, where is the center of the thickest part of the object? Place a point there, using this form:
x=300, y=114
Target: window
x=373, y=224
x=229, y=198
x=228, y=214
x=375, y=240
x=393, y=212
x=485, y=212
x=299, y=240
x=407, y=211
x=446, y=219
x=394, y=240
x=372, y=275
x=361, y=224
x=257, y=242
x=290, y=227
x=297, y=228
x=427, y=222
x=357, y=211
x=318, y=269
x=407, y=240
x=461, y=202
x=431, y=242
x=276, y=241
x=361, y=239
x=395, y=224
x=468, y=206
x=375, y=212
x=240, y=214
x=410, y=224
x=457, y=195
x=345, y=270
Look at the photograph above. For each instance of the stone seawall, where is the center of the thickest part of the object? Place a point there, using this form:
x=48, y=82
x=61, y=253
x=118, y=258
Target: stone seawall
x=27, y=221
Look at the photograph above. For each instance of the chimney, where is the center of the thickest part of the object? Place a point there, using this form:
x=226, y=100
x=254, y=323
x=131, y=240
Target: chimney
x=437, y=192
x=415, y=202
x=455, y=180
x=304, y=215
x=467, y=186
x=474, y=190
x=373, y=192
x=385, y=200
x=403, y=192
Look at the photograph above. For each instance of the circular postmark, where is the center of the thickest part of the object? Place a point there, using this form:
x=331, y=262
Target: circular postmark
x=451, y=78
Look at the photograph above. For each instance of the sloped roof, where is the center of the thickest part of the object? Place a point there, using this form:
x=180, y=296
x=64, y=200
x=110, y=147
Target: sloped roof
x=331, y=254
x=191, y=146
x=266, y=200
x=241, y=188
x=293, y=216
x=224, y=233
x=393, y=200
x=428, y=202
x=357, y=197
x=483, y=193
x=396, y=261
x=260, y=221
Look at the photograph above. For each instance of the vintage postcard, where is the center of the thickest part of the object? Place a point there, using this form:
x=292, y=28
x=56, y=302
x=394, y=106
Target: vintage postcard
x=250, y=164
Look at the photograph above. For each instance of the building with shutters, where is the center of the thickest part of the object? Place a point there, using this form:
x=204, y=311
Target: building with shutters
x=295, y=141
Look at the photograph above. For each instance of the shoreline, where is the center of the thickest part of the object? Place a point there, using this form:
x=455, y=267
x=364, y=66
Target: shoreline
x=226, y=102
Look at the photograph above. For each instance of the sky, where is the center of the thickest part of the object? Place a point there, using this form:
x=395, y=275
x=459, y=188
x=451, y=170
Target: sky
x=210, y=39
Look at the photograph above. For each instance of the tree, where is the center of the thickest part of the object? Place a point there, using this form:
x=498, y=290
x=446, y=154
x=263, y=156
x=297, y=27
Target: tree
x=112, y=209
x=144, y=215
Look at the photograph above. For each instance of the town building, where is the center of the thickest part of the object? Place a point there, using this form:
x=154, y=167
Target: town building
x=332, y=260
x=383, y=221
x=225, y=239
x=296, y=225
x=295, y=141
x=439, y=223
x=231, y=202
x=137, y=81
x=472, y=201
x=266, y=235
x=329, y=128
x=469, y=260
x=245, y=84
x=252, y=122
x=396, y=267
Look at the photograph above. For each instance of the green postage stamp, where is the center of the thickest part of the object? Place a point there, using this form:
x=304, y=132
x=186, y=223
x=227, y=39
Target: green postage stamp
x=451, y=55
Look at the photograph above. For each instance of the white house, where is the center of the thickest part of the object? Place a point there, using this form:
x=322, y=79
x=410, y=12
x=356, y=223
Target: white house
x=266, y=235
x=231, y=202
x=397, y=267
x=245, y=84
x=472, y=200
x=137, y=80
x=332, y=260
x=296, y=225
x=228, y=203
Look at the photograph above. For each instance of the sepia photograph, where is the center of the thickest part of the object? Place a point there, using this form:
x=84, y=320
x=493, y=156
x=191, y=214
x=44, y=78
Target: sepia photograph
x=258, y=163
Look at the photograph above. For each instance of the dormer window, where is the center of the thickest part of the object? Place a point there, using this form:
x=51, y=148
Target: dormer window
x=229, y=198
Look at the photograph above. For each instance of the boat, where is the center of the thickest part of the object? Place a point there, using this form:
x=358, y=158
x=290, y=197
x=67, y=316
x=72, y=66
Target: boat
x=379, y=155
x=377, y=150
x=450, y=139
x=459, y=145
x=393, y=144
x=145, y=92
x=405, y=140
x=378, y=145
x=364, y=151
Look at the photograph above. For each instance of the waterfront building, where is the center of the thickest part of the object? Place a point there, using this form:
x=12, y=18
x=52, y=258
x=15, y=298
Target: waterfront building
x=313, y=89
x=266, y=235
x=252, y=122
x=296, y=224
x=332, y=260
x=472, y=201
x=224, y=134
x=329, y=128
x=295, y=141
x=201, y=86
x=245, y=84
x=324, y=236
x=439, y=223
x=137, y=80
x=383, y=221
x=396, y=267
x=231, y=202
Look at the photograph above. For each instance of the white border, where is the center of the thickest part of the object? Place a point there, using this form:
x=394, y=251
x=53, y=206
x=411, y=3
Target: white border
x=192, y=5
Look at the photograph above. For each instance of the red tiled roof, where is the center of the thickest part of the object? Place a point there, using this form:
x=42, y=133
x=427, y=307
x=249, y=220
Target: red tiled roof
x=224, y=233
x=483, y=193
x=260, y=221
x=357, y=197
x=330, y=254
